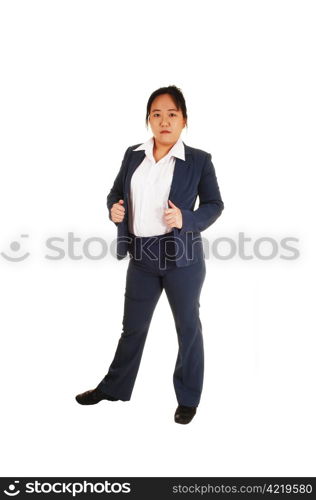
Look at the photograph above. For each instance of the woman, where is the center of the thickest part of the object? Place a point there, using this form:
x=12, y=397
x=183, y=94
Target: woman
x=152, y=203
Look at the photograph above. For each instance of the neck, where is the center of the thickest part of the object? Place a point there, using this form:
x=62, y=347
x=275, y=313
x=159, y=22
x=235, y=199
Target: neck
x=162, y=148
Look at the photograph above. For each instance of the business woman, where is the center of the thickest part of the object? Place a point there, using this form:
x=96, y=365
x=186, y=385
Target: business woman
x=152, y=204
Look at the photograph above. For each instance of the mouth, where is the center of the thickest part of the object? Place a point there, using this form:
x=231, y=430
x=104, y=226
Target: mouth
x=165, y=132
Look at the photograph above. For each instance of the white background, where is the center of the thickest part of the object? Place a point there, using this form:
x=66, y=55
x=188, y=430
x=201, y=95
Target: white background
x=76, y=77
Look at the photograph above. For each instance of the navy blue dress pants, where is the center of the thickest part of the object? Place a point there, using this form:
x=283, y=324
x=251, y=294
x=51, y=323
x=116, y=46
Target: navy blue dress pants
x=151, y=270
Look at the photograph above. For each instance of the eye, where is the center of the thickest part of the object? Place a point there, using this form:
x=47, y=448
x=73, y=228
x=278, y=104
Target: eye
x=171, y=114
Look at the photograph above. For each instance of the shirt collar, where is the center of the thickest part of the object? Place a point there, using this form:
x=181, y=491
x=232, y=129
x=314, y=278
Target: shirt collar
x=177, y=149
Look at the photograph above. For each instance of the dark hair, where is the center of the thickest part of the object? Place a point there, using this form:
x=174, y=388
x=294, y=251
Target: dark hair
x=176, y=95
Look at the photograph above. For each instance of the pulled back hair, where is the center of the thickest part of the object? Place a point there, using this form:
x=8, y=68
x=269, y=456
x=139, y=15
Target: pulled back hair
x=175, y=94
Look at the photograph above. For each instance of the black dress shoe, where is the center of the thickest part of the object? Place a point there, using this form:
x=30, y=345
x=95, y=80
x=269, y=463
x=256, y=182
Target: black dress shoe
x=184, y=414
x=92, y=397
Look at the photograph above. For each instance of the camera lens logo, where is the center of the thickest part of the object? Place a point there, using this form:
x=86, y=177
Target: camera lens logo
x=15, y=247
x=12, y=490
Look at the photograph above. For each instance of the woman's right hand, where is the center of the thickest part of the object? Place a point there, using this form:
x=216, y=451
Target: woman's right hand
x=117, y=211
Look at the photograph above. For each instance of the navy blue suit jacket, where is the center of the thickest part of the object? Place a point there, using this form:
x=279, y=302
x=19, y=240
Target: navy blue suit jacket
x=192, y=177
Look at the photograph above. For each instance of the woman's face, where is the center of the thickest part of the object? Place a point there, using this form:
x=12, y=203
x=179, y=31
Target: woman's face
x=165, y=116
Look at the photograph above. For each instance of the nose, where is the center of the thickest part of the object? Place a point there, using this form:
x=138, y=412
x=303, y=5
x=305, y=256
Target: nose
x=164, y=121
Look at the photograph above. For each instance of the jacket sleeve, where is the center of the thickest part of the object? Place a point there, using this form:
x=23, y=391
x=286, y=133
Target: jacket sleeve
x=116, y=192
x=211, y=204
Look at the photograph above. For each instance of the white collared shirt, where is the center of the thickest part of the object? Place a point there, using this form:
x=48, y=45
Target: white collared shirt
x=150, y=188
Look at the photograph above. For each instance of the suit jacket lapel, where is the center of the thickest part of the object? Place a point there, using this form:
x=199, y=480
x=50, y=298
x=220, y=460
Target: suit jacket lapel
x=178, y=171
x=135, y=160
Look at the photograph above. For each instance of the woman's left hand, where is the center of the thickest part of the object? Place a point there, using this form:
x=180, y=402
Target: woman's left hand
x=173, y=216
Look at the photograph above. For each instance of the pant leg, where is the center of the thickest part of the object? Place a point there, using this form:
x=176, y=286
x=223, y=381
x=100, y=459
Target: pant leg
x=183, y=286
x=142, y=293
